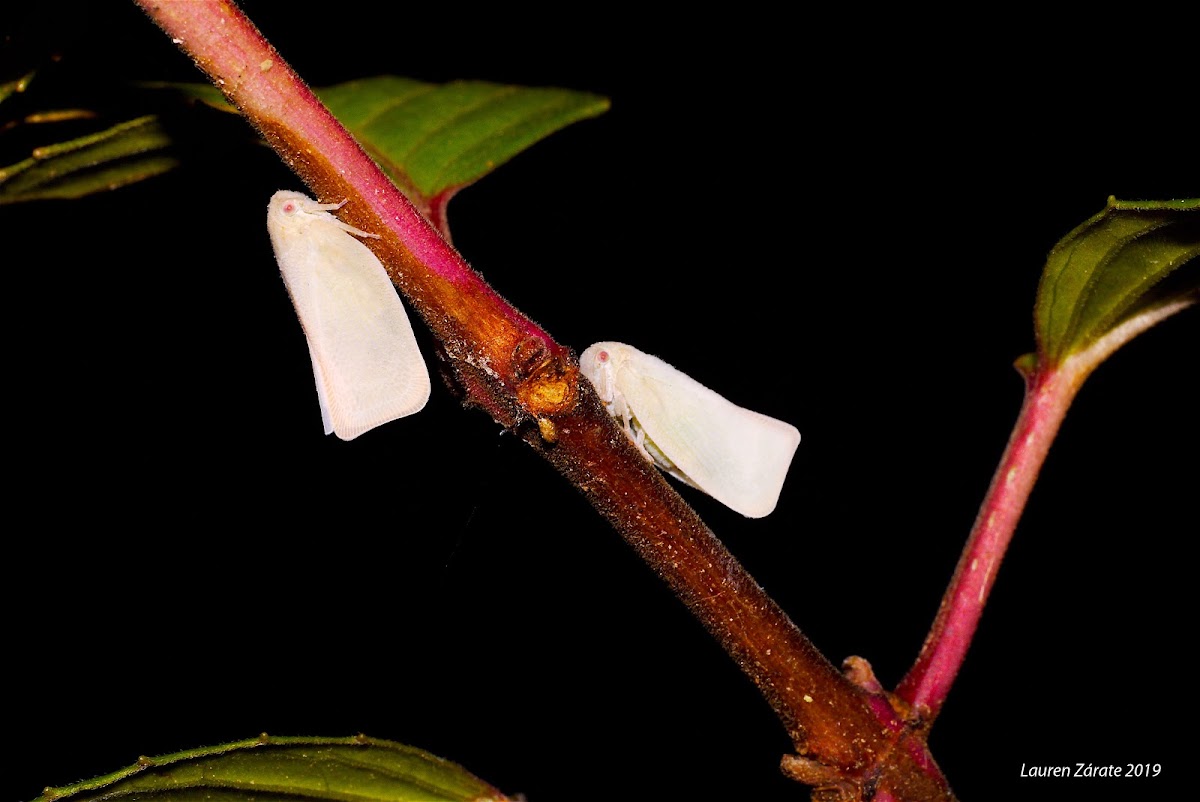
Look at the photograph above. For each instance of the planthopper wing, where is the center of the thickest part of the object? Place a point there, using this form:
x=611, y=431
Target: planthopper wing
x=737, y=456
x=366, y=363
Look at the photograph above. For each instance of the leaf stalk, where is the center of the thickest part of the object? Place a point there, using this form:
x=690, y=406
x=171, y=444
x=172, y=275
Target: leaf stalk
x=1050, y=388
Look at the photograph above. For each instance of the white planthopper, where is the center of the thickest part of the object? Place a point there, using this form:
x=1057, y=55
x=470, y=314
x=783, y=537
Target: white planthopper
x=365, y=358
x=737, y=456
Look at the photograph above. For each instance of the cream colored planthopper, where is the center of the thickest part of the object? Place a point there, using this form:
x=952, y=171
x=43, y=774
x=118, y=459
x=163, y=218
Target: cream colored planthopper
x=365, y=359
x=737, y=456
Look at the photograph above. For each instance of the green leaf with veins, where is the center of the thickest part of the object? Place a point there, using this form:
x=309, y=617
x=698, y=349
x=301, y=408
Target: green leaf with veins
x=441, y=137
x=288, y=770
x=1115, y=275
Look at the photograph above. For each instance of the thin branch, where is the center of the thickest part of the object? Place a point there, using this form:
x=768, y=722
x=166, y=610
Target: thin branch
x=1049, y=392
x=510, y=367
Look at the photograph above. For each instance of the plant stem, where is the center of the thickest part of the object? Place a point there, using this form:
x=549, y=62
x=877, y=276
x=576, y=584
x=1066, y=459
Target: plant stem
x=1049, y=391
x=510, y=367
x=1048, y=394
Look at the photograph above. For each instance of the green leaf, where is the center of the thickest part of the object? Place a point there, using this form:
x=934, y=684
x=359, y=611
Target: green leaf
x=1110, y=270
x=434, y=139
x=283, y=769
x=444, y=137
x=128, y=152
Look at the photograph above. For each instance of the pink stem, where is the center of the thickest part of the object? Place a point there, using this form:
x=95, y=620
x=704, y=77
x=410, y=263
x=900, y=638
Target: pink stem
x=1049, y=390
x=454, y=300
x=1048, y=394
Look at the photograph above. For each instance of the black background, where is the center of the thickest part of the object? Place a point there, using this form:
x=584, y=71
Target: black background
x=857, y=205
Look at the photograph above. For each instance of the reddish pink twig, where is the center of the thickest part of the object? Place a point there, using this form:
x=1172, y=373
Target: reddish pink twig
x=1048, y=394
x=1049, y=391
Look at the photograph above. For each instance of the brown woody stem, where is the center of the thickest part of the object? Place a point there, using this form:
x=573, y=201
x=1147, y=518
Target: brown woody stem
x=510, y=367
